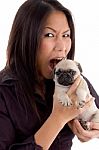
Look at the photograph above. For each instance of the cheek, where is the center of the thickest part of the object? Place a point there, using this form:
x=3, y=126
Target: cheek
x=68, y=45
x=43, y=51
x=45, y=46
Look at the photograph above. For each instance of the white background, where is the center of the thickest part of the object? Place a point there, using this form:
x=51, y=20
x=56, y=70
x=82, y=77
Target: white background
x=86, y=18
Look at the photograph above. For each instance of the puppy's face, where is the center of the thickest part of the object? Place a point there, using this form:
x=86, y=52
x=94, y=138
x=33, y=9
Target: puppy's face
x=66, y=71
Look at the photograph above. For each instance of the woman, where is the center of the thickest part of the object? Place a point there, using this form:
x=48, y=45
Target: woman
x=30, y=117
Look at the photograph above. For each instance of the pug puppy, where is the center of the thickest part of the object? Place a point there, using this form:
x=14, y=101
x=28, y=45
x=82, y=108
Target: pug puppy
x=65, y=73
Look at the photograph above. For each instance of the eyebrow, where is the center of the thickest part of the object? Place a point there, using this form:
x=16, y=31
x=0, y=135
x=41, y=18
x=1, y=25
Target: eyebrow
x=68, y=30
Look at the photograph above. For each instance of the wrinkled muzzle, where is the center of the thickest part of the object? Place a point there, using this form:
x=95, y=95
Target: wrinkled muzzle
x=65, y=77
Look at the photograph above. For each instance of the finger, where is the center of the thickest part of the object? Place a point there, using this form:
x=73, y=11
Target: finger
x=78, y=131
x=78, y=126
x=94, y=126
x=70, y=124
x=83, y=135
x=87, y=105
x=74, y=86
x=73, y=98
x=84, y=108
x=83, y=139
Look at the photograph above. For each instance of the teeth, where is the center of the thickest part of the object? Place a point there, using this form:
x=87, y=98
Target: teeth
x=59, y=58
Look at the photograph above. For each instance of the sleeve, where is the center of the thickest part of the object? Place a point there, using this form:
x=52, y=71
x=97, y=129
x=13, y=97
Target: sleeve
x=28, y=144
x=7, y=132
x=93, y=92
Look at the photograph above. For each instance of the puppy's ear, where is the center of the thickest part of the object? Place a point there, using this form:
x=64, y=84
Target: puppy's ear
x=79, y=67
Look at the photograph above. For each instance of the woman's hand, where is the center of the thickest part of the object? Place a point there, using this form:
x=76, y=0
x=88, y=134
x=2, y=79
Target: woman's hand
x=84, y=135
x=65, y=114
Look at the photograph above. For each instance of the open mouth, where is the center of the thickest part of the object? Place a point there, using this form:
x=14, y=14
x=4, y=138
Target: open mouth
x=54, y=62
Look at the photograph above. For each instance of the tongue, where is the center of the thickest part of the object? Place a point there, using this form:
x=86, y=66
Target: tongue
x=53, y=63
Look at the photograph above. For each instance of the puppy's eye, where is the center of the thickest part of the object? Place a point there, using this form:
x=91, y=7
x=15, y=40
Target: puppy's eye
x=73, y=72
x=59, y=71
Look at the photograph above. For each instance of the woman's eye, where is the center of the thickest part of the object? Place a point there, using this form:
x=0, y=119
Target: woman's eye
x=49, y=35
x=66, y=35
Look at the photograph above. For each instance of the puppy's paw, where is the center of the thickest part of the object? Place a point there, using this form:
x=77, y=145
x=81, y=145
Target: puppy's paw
x=81, y=103
x=65, y=100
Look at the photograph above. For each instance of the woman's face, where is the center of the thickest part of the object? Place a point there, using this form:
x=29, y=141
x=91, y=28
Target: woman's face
x=54, y=45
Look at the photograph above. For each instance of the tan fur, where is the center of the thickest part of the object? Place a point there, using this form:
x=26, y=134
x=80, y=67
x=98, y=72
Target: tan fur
x=92, y=114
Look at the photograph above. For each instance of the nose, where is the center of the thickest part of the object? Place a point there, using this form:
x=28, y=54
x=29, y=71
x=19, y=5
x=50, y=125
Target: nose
x=60, y=45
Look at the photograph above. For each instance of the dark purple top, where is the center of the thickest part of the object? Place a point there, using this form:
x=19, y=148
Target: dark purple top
x=18, y=121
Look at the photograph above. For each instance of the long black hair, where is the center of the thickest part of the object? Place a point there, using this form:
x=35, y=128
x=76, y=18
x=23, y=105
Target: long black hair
x=25, y=37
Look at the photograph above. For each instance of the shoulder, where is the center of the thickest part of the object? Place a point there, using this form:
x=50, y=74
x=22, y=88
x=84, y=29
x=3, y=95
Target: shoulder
x=7, y=77
x=8, y=99
x=10, y=93
x=7, y=84
x=8, y=89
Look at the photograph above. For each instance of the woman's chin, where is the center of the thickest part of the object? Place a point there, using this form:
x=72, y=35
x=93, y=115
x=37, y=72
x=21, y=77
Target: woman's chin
x=49, y=75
